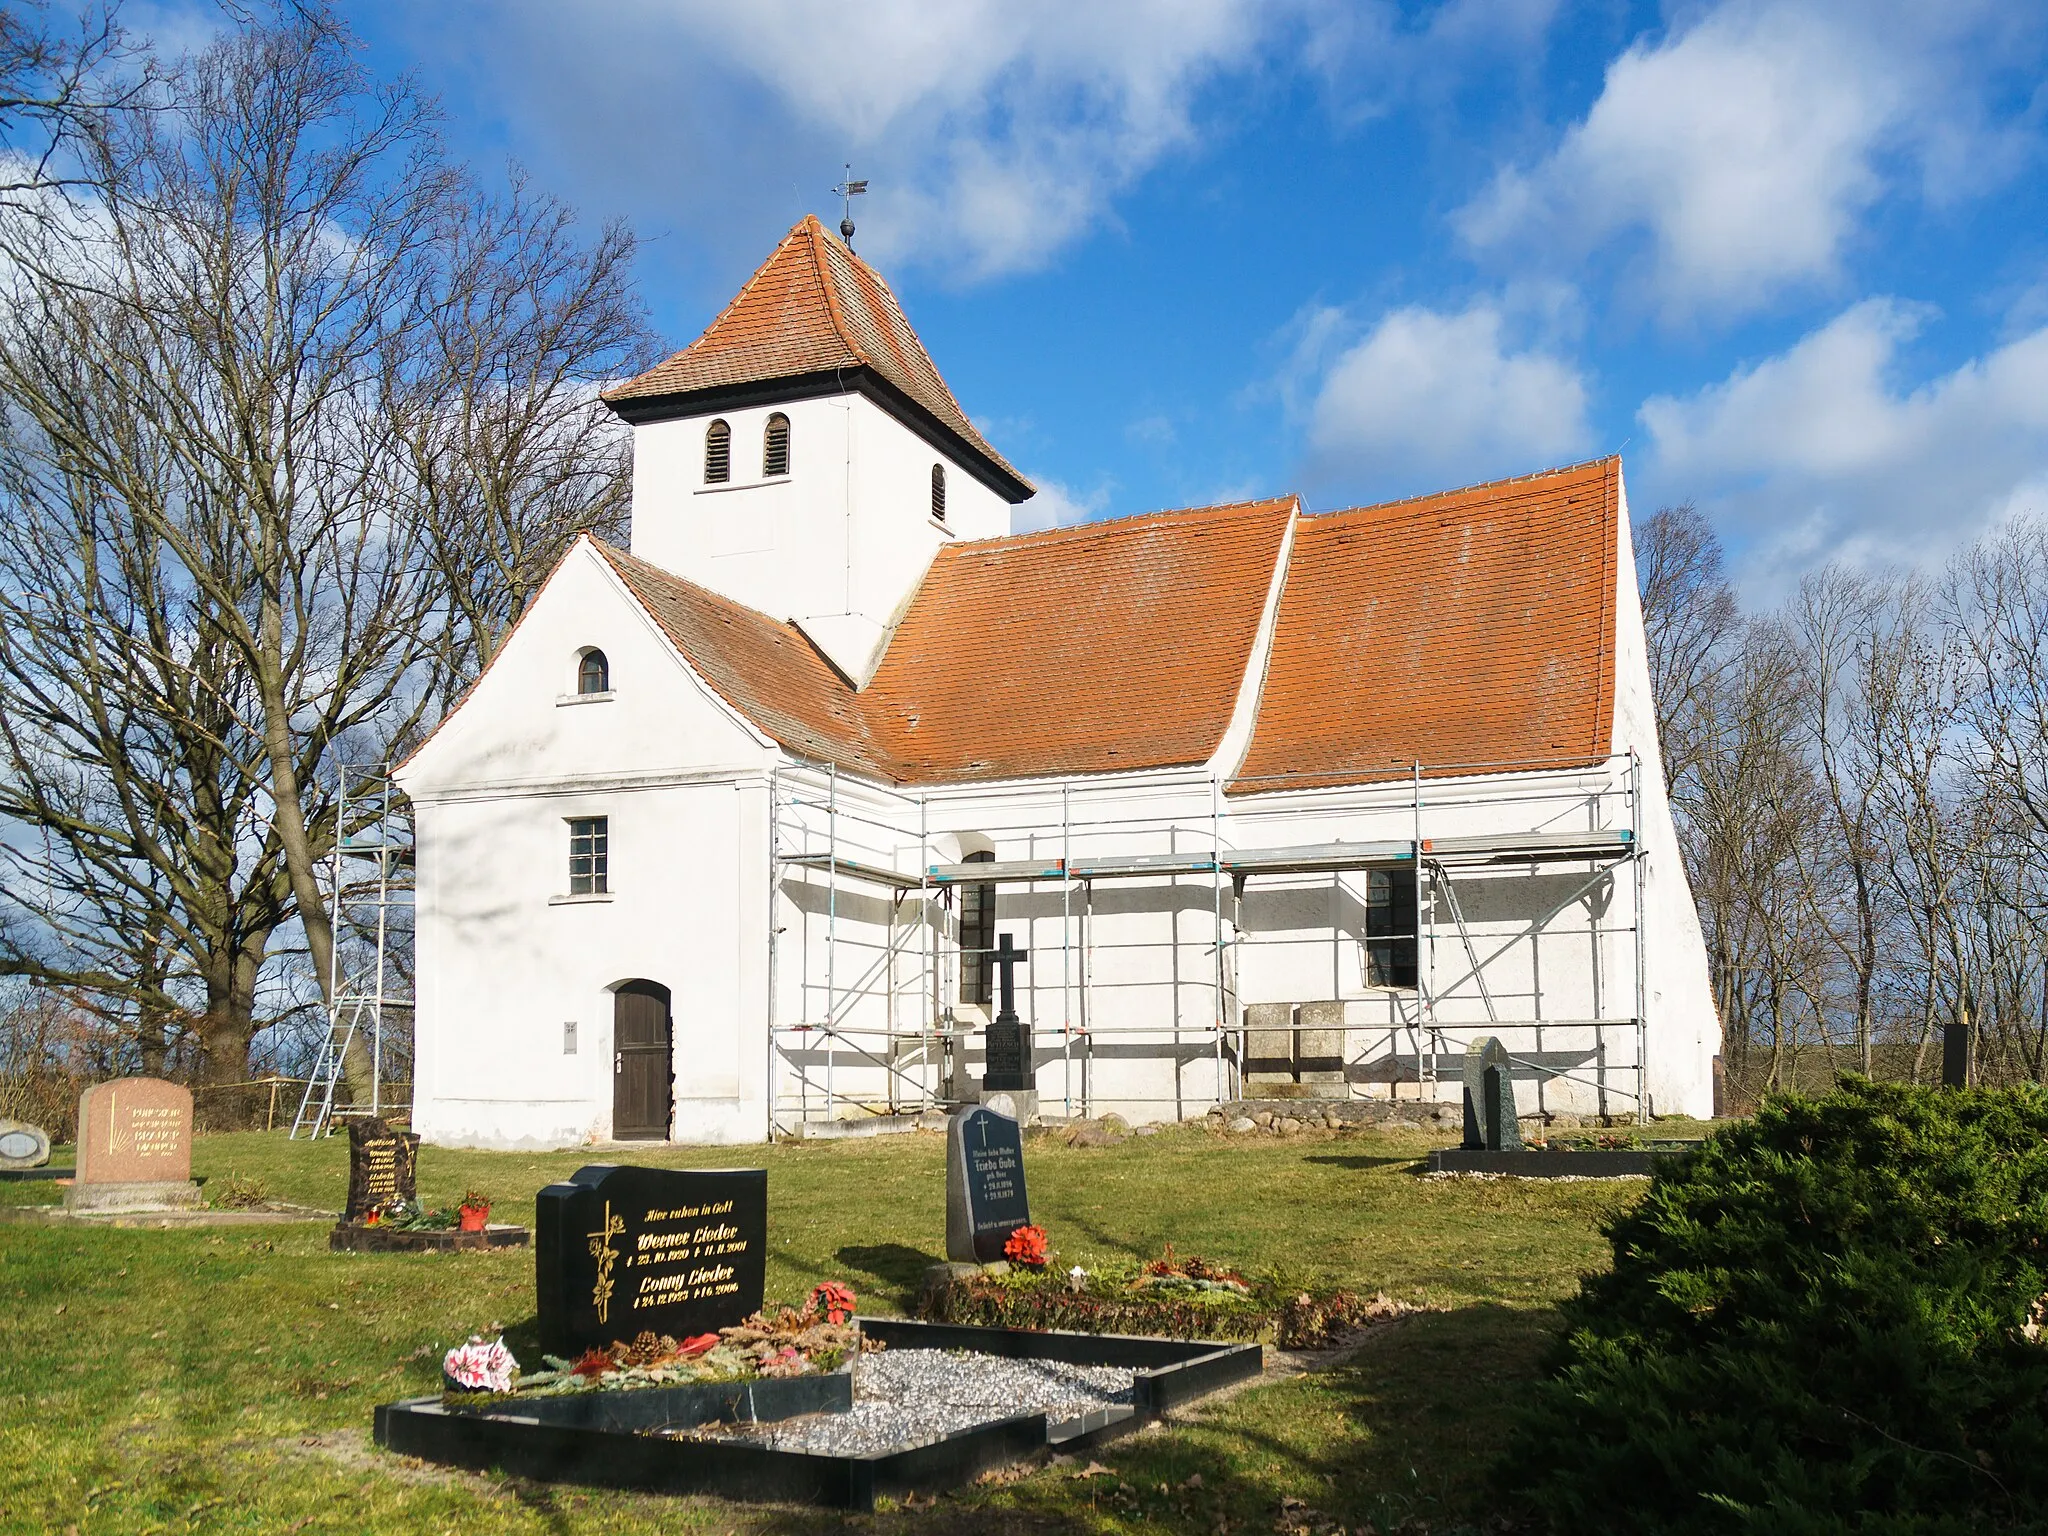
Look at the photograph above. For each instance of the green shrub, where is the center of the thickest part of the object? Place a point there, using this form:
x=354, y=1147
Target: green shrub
x=1828, y=1319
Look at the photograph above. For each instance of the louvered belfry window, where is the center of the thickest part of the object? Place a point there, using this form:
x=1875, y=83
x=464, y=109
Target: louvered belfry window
x=775, y=447
x=939, y=492
x=717, y=453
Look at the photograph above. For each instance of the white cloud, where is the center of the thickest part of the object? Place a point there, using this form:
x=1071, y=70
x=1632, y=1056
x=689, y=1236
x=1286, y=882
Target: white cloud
x=994, y=133
x=1427, y=399
x=1058, y=506
x=1744, y=150
x=1821, y=450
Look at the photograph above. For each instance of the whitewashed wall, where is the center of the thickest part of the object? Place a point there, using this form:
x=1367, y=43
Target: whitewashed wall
x=838, y=544
x=506, y=958
x=695, y=795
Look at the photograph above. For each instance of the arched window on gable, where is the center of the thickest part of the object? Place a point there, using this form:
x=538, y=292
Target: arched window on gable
x=939, y=492
x=775, y=446
x=593, y=672
x=717, y=453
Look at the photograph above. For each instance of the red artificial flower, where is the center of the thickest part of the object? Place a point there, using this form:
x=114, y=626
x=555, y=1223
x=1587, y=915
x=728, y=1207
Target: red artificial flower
x=698, y=1344
x=1027, y=1247
x=593, y=1363
x=834, y=1300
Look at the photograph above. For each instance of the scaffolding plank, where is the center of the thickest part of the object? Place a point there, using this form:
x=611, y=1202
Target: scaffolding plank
x=1113, y=866
x=1520, y=847
x=998, y=871
x=1314, y=857
x=854, y=869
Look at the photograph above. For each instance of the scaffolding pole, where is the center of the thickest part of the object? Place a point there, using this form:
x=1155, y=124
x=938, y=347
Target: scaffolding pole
x=838, y=832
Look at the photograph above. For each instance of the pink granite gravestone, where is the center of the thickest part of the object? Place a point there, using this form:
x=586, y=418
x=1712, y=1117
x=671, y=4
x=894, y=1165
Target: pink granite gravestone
x=134, y=1147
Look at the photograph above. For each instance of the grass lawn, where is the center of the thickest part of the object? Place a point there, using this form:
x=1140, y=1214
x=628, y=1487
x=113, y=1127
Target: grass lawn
x=222, y=1379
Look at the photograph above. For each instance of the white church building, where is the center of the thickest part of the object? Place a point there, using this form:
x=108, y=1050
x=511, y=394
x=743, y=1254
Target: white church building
x=1277, y=803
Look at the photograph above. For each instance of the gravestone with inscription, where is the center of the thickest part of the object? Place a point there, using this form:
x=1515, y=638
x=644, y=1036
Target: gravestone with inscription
x=1490, y=1123
x=383, y=1167
x=985, y=1200
x=134, y=1147
x=23, y=1146
x=621, y=1250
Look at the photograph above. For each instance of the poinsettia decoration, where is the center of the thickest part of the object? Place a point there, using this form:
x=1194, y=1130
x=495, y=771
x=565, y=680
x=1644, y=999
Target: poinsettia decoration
x=834, y=1300
x=480, y=1367
x=1027, y=1247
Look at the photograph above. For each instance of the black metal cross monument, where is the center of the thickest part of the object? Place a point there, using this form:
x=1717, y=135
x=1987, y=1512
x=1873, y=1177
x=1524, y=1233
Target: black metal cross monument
x=1009, y=1039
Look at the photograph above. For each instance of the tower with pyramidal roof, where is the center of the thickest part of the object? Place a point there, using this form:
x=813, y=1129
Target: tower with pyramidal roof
x=804, y=457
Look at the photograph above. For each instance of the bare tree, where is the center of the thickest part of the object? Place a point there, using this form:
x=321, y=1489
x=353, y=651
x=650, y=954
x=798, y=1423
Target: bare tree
x=313, y=330
x=149, y=882
x=1689, y=613
x=512, y=451
x=1756, y=804
x=56, y=87
x=1834, y=624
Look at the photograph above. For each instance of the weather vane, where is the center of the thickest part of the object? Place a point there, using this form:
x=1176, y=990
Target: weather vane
x=848, y=190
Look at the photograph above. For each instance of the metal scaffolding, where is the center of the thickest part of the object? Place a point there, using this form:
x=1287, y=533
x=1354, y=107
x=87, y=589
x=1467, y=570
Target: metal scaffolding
x=840, y=845
x=373, y=823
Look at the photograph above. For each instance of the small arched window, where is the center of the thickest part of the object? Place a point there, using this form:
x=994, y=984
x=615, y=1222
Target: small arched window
x=593, y=673
x=775, y=447
x=939, y=492
x=717, y=453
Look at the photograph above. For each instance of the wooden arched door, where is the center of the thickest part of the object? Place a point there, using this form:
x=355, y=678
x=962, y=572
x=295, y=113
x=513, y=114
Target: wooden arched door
x=642, y=1065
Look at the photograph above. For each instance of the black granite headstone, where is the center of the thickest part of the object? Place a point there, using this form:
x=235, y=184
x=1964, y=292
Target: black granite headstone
x=383, y=1166
x=985, y=1199
x=1490, y=1123
x=620, y=1250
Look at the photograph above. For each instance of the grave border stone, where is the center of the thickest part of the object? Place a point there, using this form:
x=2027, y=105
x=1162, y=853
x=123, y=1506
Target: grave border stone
x=1169, y=1372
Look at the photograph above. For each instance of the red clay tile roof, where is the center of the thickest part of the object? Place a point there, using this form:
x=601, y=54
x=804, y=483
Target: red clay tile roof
x=1474, y=626
x=812, y=306
x=1469, y=628
x=765, y=669
x=1107, y=647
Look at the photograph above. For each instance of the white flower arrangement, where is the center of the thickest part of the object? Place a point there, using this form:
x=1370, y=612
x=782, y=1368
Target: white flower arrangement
x=480, y=1367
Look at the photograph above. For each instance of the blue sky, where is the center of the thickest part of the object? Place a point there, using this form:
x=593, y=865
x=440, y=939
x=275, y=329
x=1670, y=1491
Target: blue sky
x=1789, y=256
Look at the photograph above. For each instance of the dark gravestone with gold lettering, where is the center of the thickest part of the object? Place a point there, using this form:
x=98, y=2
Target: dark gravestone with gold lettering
x=619, y=1251
x=985, y=1199
x=383, y=1166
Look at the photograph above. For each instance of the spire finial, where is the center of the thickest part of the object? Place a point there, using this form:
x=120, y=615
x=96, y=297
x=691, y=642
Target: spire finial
x=848, y=190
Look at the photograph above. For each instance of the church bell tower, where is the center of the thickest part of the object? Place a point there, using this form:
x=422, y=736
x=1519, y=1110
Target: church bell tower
x=804, y=457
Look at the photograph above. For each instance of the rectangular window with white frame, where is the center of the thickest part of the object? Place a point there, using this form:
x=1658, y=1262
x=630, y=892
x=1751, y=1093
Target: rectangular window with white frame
x=589, y=855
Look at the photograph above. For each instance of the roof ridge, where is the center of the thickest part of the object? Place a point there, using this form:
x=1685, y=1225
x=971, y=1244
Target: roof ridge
x=746, y=288
x=868, y=273
x=822, y=266
x=1113, y=524
x=1461, y=490
x=626, y=562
